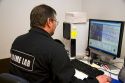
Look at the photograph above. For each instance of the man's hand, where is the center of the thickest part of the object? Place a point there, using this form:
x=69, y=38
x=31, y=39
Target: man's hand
x=103, y=79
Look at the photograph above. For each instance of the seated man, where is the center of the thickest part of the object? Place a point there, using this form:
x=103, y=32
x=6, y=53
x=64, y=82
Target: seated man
x=36, y=57
x=58, y=41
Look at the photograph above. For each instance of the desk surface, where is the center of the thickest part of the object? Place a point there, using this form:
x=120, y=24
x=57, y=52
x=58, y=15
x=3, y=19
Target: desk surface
x=81, y=75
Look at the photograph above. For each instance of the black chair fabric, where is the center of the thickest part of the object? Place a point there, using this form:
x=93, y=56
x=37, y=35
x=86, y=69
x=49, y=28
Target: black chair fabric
x=9, y=78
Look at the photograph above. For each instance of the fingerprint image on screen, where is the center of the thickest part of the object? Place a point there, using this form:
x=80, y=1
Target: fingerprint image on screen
x=96, y=31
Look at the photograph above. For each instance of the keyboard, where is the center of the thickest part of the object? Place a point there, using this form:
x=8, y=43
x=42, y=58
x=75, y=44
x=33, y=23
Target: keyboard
x=85, y=68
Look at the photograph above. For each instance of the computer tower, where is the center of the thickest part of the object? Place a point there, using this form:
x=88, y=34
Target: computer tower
x=76, y=46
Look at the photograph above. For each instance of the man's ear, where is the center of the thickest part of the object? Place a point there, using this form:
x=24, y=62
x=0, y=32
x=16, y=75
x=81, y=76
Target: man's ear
x=49, y=22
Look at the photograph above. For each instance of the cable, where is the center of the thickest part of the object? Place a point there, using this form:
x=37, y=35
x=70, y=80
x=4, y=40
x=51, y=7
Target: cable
x=106, y=68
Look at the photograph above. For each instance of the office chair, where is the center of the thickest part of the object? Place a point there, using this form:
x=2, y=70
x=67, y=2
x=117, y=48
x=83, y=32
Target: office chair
x=9, y=78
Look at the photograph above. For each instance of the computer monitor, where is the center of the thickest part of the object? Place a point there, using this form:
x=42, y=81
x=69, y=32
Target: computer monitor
x=106, y=36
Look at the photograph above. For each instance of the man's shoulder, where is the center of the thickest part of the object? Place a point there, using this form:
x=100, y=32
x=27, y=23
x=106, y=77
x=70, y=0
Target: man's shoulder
x=21, y=36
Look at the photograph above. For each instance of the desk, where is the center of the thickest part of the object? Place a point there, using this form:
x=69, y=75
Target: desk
x=81, y=75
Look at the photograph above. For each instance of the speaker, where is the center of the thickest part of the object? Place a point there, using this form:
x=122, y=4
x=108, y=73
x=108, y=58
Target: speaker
x=66, y=30
x=73, y=47
x=67, y=35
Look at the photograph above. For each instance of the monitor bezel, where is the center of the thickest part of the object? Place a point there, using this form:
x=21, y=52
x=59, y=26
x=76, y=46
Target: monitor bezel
x=120, y=38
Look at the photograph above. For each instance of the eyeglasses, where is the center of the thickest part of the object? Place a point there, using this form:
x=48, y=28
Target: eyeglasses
x=57, y=22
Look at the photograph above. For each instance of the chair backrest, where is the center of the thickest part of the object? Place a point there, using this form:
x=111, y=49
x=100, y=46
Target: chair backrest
x=9, y=78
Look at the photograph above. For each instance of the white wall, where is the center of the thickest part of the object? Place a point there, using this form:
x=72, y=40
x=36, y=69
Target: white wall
x=106, y=9
x=14, y=18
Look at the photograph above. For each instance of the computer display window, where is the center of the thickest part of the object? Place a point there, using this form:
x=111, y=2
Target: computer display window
x=104, y=35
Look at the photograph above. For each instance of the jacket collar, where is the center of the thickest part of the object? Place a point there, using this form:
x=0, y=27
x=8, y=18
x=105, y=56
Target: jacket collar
x=39, y=30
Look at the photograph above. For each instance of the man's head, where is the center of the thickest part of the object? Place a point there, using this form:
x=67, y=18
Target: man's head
x=43, y=16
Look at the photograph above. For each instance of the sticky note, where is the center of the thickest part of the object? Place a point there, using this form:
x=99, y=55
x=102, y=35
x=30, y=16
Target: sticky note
x=73, y=33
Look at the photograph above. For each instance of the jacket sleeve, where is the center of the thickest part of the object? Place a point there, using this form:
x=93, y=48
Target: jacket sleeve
x=63, y=71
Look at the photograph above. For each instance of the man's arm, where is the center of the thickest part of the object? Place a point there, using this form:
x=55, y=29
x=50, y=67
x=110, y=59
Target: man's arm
x=63, y=71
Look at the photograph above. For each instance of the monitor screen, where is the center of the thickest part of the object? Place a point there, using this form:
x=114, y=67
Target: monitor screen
x=106, y=36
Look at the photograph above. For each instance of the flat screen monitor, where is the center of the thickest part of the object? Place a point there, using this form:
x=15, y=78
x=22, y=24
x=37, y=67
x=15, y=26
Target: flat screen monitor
x=106, y=36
